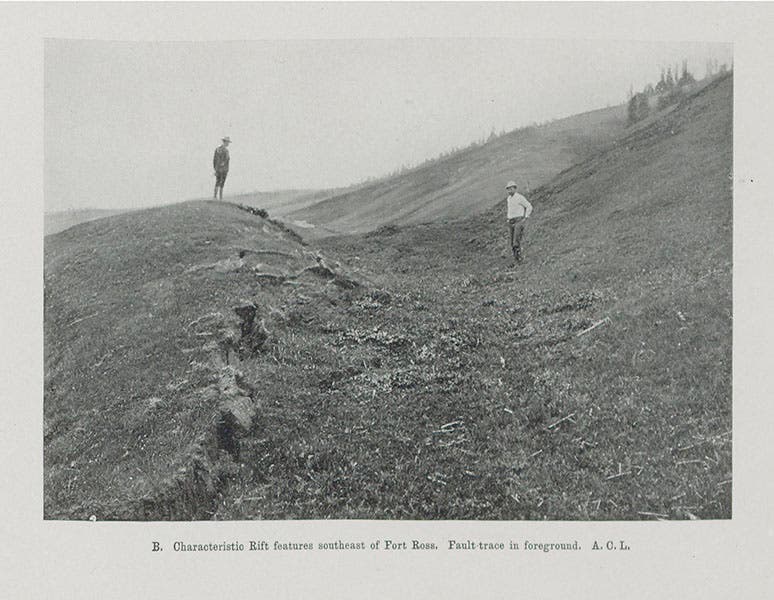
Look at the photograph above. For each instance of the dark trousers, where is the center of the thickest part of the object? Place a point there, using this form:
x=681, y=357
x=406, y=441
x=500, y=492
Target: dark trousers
x=220, y=178
x=516, y=227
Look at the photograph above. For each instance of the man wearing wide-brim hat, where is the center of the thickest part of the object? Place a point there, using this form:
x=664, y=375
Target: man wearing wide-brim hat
x=220, y=164
x=519, y=210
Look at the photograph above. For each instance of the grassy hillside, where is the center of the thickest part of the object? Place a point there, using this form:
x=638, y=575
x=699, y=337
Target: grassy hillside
x=470, y=181
x=202, y=363
x=283, y=202
x=593, y=382
x=147, y=318
x=54, y=222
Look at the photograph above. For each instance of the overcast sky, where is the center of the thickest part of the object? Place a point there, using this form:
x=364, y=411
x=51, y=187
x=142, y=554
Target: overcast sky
x=133, y=124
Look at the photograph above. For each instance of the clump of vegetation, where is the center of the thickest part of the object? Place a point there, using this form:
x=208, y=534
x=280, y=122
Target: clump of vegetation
x=669, y=90
x=259, y=212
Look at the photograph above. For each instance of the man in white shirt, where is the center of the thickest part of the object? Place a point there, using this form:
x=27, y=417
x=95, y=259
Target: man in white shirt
x=519, y=210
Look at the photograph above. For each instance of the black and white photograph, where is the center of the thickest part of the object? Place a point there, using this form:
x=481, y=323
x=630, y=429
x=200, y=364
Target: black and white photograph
x=388, y=279
x=412, y=300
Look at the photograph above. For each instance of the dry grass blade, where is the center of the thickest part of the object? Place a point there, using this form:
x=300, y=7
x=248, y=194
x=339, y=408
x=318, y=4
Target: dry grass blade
x=594, y=326
x=652, y=514
x=562, y=420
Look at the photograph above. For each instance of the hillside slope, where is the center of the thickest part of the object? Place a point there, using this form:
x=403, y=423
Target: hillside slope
x=470, y=181
x=283, y=202
x=202, y=363
x=54, y=222
x=598, y=373
x=147, y=318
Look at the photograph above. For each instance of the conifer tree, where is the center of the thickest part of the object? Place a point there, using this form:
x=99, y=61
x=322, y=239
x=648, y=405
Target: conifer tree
x=686, y=78
x=661, y=86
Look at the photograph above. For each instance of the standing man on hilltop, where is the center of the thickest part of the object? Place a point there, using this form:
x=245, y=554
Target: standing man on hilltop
x=519, y=210
x=220, y=164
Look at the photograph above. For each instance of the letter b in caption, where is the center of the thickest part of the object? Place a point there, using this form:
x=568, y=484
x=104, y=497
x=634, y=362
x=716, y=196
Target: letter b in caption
x=156, y=547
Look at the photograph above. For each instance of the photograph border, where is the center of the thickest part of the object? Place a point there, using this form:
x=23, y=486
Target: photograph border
x=712, y=559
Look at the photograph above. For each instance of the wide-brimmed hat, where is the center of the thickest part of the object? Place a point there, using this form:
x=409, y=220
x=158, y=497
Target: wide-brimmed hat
x=227, y=139
x=510, y=184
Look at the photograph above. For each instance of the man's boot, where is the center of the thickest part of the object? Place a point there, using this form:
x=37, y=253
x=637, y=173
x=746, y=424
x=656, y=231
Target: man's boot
x=215, y=193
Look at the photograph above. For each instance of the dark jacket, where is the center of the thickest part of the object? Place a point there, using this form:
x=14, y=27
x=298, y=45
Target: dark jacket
x=220, y=159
